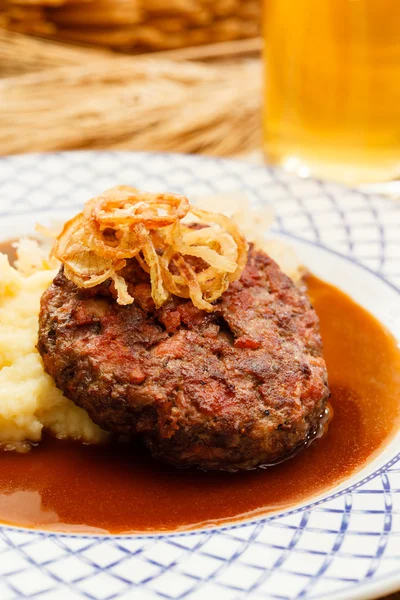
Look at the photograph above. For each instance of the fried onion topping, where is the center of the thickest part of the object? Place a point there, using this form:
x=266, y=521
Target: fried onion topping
x=195, y=259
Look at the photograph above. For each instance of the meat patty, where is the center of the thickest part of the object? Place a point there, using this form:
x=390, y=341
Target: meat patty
x=234, y=389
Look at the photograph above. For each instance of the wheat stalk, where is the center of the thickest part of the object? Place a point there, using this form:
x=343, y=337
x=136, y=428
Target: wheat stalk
x=22, y=54
x=133, y=104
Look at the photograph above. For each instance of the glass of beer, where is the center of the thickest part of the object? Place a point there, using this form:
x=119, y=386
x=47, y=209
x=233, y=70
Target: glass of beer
x=332, y=88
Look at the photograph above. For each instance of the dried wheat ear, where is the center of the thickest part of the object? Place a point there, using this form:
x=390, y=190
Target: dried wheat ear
x=135, y=24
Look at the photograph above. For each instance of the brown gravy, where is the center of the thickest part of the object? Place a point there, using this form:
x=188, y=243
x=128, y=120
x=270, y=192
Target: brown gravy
x=67, y=486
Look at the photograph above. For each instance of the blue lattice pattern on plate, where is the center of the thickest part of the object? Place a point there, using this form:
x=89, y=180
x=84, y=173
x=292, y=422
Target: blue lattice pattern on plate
x=306, y=553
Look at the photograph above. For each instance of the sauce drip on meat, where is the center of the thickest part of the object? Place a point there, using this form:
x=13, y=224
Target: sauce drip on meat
x=67, y=486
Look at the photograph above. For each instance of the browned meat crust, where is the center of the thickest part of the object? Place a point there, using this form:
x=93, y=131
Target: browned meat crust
x=234, y=389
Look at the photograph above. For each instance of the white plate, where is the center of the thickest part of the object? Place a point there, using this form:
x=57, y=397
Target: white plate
x=345, y=544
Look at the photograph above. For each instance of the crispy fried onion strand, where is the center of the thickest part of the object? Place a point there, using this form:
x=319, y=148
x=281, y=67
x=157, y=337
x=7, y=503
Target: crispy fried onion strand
x=197, y=262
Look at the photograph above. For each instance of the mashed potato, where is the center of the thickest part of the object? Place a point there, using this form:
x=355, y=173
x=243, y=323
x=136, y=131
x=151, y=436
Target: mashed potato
x=29, y=399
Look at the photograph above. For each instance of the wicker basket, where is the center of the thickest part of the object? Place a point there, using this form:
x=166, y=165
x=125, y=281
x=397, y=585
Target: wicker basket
x=134, y=25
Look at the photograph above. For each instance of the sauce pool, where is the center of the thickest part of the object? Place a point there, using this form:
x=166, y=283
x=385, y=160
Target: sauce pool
x=67, y=486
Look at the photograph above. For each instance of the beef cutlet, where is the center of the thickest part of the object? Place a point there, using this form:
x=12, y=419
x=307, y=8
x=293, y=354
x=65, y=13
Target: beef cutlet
x=233, y=389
